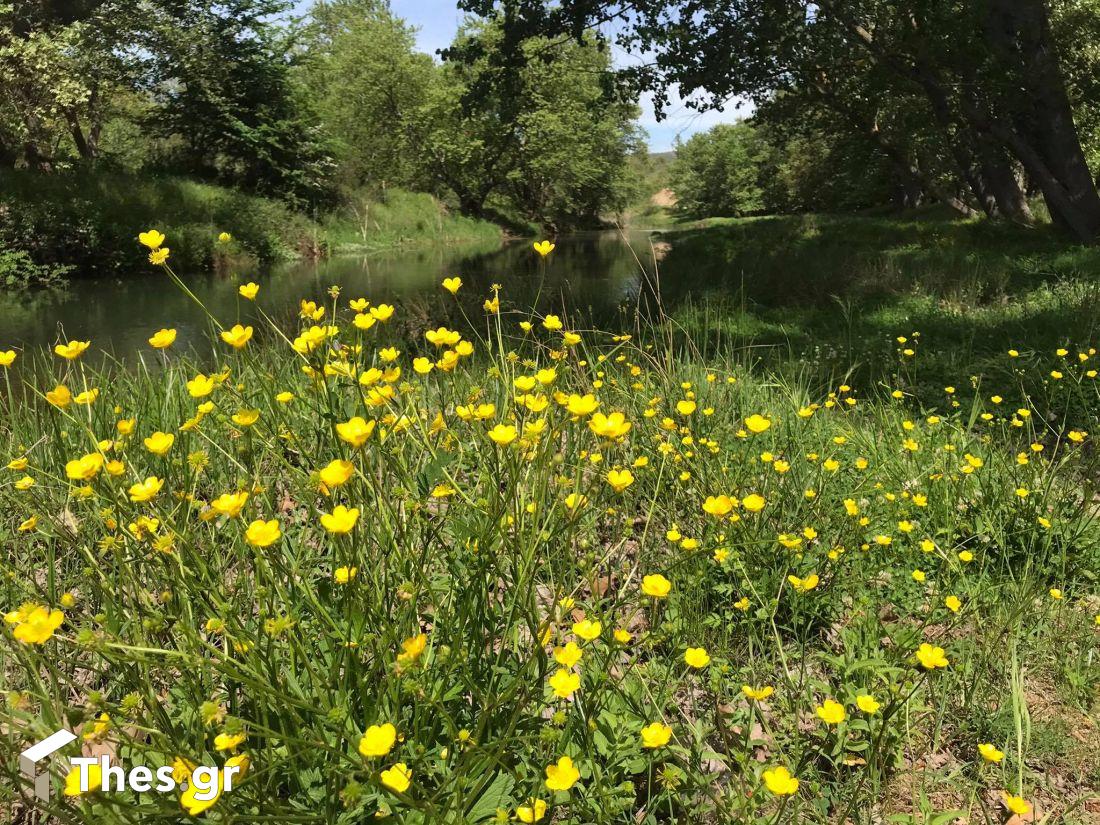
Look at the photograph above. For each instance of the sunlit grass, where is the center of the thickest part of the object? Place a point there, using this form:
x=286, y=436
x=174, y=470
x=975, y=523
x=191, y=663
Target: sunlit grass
x=747, y=598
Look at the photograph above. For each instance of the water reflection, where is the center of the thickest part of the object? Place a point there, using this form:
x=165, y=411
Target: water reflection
x=593, y=277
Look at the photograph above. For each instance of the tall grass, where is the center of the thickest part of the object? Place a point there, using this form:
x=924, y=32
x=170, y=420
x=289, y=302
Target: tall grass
x=401, y=218
x=587, y=576
x=88, y=220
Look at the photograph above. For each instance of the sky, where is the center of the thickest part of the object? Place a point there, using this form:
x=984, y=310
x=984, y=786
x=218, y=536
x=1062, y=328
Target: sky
x=438, y=20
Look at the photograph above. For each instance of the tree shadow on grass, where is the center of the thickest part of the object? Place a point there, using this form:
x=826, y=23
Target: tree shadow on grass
x=822, y=294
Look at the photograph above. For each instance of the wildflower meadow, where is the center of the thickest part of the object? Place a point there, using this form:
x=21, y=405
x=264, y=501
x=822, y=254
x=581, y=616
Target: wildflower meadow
x=496, y=567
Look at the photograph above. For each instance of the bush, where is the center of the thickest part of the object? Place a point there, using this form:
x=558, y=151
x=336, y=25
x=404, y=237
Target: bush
x=18, y=269
x=87, y=221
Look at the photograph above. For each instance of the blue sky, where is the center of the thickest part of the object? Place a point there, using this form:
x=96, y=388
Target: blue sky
x=438, y=20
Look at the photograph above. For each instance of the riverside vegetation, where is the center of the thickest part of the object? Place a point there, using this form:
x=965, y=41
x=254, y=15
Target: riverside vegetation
x=502, y=569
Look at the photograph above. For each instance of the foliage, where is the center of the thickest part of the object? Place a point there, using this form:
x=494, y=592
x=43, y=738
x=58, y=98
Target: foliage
x=721, y=172
x=221, y=76
x=983, y=86
x=366, y=82
x=63, y=66
x=550, y=144
x=754, y=574
x=18, y=269
x=83, y=220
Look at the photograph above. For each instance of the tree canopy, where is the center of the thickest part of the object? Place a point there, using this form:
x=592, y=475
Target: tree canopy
x=311, y=110
x=971, y=103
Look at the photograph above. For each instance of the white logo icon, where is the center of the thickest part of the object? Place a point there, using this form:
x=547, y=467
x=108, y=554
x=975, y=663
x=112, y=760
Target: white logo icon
x=29, y=758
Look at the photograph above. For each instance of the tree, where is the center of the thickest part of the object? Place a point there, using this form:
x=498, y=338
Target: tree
x=61, y=65
x=720, y=172
x=552, y=140
x=989, y=75
x=221, y=79
x=366, y=82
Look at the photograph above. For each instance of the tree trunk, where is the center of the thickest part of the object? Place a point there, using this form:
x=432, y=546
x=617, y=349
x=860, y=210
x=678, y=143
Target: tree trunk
x=471, y=203
x=1002, y=182
x=1048, y=145
x=913, y=178
x=83, y=148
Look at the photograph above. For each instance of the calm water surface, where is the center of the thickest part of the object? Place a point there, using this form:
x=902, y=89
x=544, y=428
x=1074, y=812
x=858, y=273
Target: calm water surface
x=597, y=276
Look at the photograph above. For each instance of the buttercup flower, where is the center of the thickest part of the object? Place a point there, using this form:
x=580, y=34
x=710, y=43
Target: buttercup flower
x=569, y=655
x=72, y=780
x=397, y=778
x=780, y=782
x=533, y=811
x=200, y=386
x=931, y=657
x=656, y=586
x=35, y=624
x=612, y=426
x=753, y=502
x=503, y=434
x=757, y=423
x=1017, y=804
x=84, y=468
x=831, y=712
x=718, y=506
x=159, y=443
x=146, y=490
x=237, y=336
x=656, y=735
x=990, y=753
x=262, y=533
x=230, y=504
x=620, y=479
x=562, y=775
x=162, y=339
x=588, y=630
x=564, y=683
x=378, y=740
x=355, y=431
x=336, y=473
x=757, y=694
x=803, y=585
x=72, y=350
x=697, y=657
x=867, y=703
x=341, y=520
x=152, y=239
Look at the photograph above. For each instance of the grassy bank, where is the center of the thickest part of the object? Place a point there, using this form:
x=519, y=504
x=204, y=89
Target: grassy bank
x=401, y=219
x=826, y=297
x=84, y=224
x=512, y=572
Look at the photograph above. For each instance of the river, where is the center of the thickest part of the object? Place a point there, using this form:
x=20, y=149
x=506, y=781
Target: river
x=592, y=276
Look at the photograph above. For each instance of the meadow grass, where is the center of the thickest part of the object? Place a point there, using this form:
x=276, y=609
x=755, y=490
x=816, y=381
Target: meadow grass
x=509, y=570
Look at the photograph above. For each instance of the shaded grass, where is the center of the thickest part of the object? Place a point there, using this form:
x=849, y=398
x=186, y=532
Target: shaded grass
x=830, y=295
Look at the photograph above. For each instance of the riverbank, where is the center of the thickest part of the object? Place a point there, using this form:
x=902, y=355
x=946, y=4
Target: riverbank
x=60, y=226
